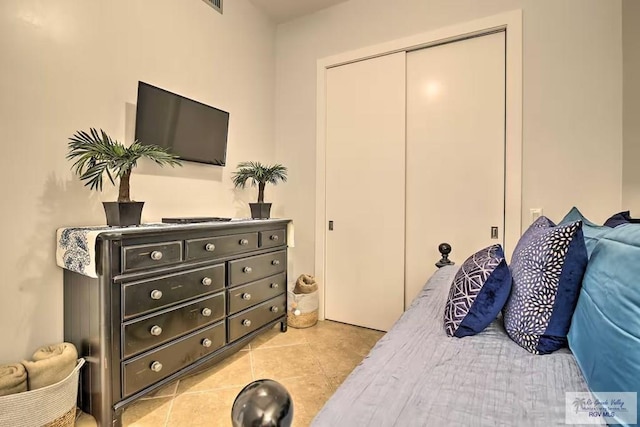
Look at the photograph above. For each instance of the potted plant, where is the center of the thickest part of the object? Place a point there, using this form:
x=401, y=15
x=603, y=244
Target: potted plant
x=259, y=175
x=95, y=154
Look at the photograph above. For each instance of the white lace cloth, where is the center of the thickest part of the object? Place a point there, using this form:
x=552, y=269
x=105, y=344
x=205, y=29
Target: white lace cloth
x=76, y=246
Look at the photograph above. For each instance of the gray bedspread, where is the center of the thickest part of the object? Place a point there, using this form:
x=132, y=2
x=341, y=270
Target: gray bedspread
x=417, y=376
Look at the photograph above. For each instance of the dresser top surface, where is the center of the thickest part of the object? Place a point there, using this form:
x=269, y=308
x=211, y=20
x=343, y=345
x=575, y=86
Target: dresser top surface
x=106, y=232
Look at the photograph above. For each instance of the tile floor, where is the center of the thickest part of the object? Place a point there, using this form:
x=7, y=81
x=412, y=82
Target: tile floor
x=311, y=363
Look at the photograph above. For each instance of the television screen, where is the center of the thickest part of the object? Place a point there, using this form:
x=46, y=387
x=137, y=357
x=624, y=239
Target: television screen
x=191, y=130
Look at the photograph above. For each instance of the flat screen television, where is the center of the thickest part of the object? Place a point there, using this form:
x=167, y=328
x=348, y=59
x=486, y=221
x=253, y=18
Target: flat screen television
x=190, y=129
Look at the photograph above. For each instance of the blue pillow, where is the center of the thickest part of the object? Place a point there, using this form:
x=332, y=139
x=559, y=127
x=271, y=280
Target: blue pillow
x=621, y=218
x=592, y=232
x=605, y=330
x=547, y=267
x=478, y=292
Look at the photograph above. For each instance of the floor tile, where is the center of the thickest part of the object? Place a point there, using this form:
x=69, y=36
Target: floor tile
x=233, y=371
x=147, y=413
x=337, y=357
x=275, y=338
x=336, y=380
x=205, y=409
x=166, y=391
x=309, y=394
x=311, y=363
x=277, y=363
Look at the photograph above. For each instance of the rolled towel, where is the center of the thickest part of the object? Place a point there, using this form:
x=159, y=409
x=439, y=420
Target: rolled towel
x=51, y=364
x=13, y=379
x=305, y=284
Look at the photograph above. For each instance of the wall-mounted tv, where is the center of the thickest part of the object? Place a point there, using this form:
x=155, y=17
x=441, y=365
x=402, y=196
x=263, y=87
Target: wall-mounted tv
x=193, y=131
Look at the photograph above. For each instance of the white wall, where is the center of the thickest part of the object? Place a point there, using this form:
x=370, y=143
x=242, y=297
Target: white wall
x=75, y=64
x=572, y=137
x=631, y=106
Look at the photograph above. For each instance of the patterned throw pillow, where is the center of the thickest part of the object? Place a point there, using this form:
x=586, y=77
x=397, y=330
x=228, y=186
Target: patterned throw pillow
x=478, y=293
x=621, y=218
x=547, y=268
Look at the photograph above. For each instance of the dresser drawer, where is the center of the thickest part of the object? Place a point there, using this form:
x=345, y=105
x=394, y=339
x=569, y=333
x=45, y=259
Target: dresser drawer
x=245, y=296
x=272, y=238
x=153, y=255
x=146, y=295
x=214, y=247
x=155, y=365
x=151, y=331
x=248, y=321
x=248, y=269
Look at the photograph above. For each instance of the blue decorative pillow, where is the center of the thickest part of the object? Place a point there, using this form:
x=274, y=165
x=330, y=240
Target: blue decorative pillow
x=605, y=329
x=591, y=232
x=478, y=292
x=547, y=267
x=620, y=219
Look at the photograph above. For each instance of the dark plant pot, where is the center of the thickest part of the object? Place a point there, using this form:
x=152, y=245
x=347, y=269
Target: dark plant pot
x=260, y=210
x=123, y=213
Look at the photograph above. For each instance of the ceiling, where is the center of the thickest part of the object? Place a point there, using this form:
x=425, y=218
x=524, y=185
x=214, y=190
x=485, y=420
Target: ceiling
x=285, y=10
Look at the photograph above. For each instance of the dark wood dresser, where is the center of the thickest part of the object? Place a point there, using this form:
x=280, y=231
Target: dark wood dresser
x=170, y=301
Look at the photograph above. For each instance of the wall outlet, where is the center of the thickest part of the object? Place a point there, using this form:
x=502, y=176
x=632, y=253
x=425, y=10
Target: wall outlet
x=535, y=214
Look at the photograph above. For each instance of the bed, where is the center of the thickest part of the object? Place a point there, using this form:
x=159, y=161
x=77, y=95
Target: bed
x=417, y=376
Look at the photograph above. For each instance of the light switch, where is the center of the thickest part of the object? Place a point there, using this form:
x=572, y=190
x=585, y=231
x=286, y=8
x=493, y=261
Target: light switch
x=535, y=214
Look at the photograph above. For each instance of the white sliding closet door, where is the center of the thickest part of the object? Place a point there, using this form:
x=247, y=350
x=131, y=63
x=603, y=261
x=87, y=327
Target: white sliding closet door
x=455, y=152
x=365, y=160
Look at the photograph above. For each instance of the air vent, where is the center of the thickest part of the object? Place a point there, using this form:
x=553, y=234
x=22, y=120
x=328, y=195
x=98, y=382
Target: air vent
x=216, y=4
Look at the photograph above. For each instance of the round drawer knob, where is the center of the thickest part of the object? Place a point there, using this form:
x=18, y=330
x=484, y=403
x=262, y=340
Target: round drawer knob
x=206, y=342
x=156, y=366
x=275, y=262
x=209, y=247
x=275, y=285
x=246, y=296
x=156, y=294
x=156, y=255
x=244, y=242
x=274, y=237
x=206, y=312
x=246, y=322
x=274, y=309
x=156, y=330
x=247, y=270
x=207, y=281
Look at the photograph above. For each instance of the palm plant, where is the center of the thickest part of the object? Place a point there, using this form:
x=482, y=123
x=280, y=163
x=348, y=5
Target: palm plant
x=96, y=154
x=259, y=175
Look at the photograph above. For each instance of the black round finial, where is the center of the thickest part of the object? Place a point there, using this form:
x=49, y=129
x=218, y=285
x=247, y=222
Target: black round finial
x=445, y=250
x=263, y=403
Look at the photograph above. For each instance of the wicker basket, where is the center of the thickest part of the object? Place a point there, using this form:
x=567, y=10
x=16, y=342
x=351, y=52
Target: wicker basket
x=306, y=307
x=51, y=406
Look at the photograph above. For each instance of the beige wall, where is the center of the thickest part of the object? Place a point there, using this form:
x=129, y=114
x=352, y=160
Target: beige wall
x=631, y=106
x=74, y=64
x=572, y=108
